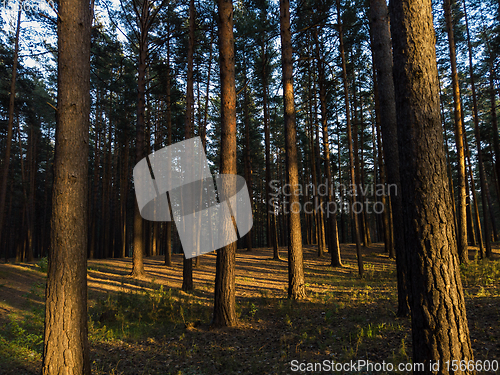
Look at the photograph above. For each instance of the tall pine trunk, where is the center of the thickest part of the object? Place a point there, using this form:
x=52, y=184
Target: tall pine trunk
x=225, y=286
x=296, y=284
x=333, y=242
x=272, y=237
x=66, y=348
x=248, y=160
x=6, y=163
x=139, y=240
x=482, y=176
x=187, y=264
x=438, y=314
x=349, y=141
x=459, y=140
x=382, y=60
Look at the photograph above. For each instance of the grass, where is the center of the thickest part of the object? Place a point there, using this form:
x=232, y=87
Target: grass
x=149, y=327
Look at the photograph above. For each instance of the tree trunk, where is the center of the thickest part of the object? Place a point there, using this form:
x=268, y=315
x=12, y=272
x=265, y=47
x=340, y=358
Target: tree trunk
x=364, y=216
x=316, y=168
x=477, y=133
x=388, y=243
x=314, y=143
x=168, y=224
x=448, y=163
x=248, y=161
x=494, y=121
x=333, y=243
x=382, y=60
x=12, y=96
x=296, y=284
x=272, y=238
x=66, y=348
x=439, y=322
x=27, y=251
x=479, y=151
x=123, y=197
x=138, y=242
x=225, y=288
x=187, y=264
x=349, y=141
x=459, y=139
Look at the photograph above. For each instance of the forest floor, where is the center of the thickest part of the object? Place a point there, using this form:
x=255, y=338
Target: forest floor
x=150, y=326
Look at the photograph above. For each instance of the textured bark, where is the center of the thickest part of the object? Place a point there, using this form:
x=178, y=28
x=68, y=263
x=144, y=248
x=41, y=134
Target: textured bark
x=349, y=141
x=382, y=60
x=225, y=287
x=296, y=284
x=459, y=140
x=439, y=322
x=65, y=339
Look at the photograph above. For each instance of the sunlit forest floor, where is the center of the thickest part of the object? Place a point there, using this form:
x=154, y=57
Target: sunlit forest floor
x=152, y=327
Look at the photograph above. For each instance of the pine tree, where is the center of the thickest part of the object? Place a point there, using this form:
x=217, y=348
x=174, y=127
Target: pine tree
x=296, y=283
x=224, y=292
x=439, y=322
x=65, y=339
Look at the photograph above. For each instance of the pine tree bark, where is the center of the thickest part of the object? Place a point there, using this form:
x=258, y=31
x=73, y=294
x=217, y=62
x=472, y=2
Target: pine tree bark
x=459, y=140
x=66, y=348
x=296, y=284
x=439, y=322
x=383, y=64
x=225, y=286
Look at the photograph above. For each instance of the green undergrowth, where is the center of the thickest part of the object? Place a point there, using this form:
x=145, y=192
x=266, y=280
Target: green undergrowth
x=151, y=312
x=150, y=329
x=481, y=273
x=21, y=334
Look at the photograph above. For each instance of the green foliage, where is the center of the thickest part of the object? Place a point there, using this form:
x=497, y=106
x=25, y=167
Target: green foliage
x=43, y=265
x=132, y=315
x=21, y=338
x=481, y=273
x=253, y=310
